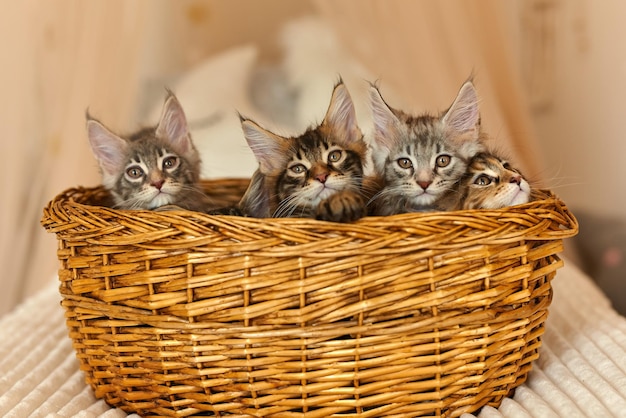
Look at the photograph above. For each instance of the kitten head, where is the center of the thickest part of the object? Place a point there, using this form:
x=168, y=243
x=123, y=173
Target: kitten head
x=152, y=167
x=491, y=183
x=296, y=174
x=424, y=156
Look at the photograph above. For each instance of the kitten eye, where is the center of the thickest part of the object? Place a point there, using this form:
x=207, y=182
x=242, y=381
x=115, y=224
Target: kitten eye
x=170, y=162
x=134, y=172
x=483, y=180
x=405, y=163
x=443, y=160
x=298, y=168
x=334, y=156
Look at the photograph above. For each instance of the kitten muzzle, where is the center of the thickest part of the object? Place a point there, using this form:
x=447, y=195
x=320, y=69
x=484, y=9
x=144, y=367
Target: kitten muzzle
x=157, y=184
x=321, y=177
x=323, y=194
x=424, y=184
x=320, y=173
x=520, y=198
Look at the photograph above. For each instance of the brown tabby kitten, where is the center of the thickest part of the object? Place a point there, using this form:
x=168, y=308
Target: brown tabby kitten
x=491, y=183
x=156, y=167
x=423, y=156
x=317, y=174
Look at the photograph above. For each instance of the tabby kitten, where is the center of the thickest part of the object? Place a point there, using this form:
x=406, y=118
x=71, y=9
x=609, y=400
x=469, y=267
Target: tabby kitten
x=492, y=183
x=156, y=167
x=423, y=157
x=315, y=175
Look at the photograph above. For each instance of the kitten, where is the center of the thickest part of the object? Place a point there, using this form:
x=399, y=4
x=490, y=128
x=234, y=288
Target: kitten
x=315, y=175
x=420, y=158
x=491, y=183
x=156, y=167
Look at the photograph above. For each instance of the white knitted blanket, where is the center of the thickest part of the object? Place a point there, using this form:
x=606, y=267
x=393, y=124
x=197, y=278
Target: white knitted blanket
x=581, y=371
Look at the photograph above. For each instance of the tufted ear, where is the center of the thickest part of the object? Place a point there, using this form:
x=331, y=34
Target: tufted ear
x=463, y=115
x=173, y=126
x=341, y=116
x=387, y=126
x=109, y=149
x=268, y=148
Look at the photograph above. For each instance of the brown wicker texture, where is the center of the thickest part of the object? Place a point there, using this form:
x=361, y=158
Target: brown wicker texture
x=428, y=314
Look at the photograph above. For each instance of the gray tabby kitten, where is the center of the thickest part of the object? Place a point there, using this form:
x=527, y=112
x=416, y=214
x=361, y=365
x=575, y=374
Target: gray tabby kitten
x=423, y=157
x=156, y=167
x=318, y=174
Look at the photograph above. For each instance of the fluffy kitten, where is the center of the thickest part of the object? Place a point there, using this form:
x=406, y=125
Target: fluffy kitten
x=316, y=175
x=156, y=167
x=491, y=183
x=424, y=156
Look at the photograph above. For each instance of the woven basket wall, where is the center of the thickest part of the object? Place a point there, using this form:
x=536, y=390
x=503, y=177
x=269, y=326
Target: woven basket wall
x=180, y=313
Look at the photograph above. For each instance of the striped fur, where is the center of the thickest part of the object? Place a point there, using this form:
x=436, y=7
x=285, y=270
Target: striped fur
x=317, y=174
x=156, y=167
x=420, y=159
x=492, y=183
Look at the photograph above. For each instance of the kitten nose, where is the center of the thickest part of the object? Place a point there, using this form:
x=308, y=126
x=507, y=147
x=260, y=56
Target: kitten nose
x=321, y=177
x=158, y=184
x=424, y=184
x=516, y=179
x=320, y=173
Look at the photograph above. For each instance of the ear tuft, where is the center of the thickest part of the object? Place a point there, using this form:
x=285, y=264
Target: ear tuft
x=268, y=148
x=387, y=130
x=109, y=149
x=463, y=115
x=341, y=115
x=173, y=127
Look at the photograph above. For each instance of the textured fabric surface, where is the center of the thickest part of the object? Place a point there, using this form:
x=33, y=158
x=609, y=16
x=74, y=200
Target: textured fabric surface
x=581, y=371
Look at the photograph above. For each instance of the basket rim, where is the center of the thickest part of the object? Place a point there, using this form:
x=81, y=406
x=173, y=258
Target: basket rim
x=547, y=205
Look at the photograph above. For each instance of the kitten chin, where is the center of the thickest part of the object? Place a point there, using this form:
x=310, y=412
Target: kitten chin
x=152, y=198
x=423, y=200
x=320, y=192
x=520, y=195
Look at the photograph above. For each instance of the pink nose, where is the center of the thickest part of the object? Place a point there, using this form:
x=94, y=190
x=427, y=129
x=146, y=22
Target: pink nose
x=158, y=184
x=424, y=184
x=516, y=179
x=321, y=177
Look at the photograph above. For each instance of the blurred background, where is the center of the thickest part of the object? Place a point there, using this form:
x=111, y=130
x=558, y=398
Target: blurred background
x=551, y=75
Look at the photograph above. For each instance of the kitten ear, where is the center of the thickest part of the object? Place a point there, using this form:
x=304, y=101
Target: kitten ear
x=341, y=116
x=463, y=115
x=110, y=150
x=386, y=123
x=268, y=148
x=173, y=125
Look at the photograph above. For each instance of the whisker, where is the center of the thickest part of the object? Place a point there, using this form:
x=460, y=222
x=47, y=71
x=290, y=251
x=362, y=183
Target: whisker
x=288, y=206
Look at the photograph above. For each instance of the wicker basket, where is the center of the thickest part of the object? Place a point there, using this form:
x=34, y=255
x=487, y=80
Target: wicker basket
x=179, y=313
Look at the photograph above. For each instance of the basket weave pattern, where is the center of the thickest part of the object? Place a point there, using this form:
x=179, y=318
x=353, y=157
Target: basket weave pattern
x=180, y=313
